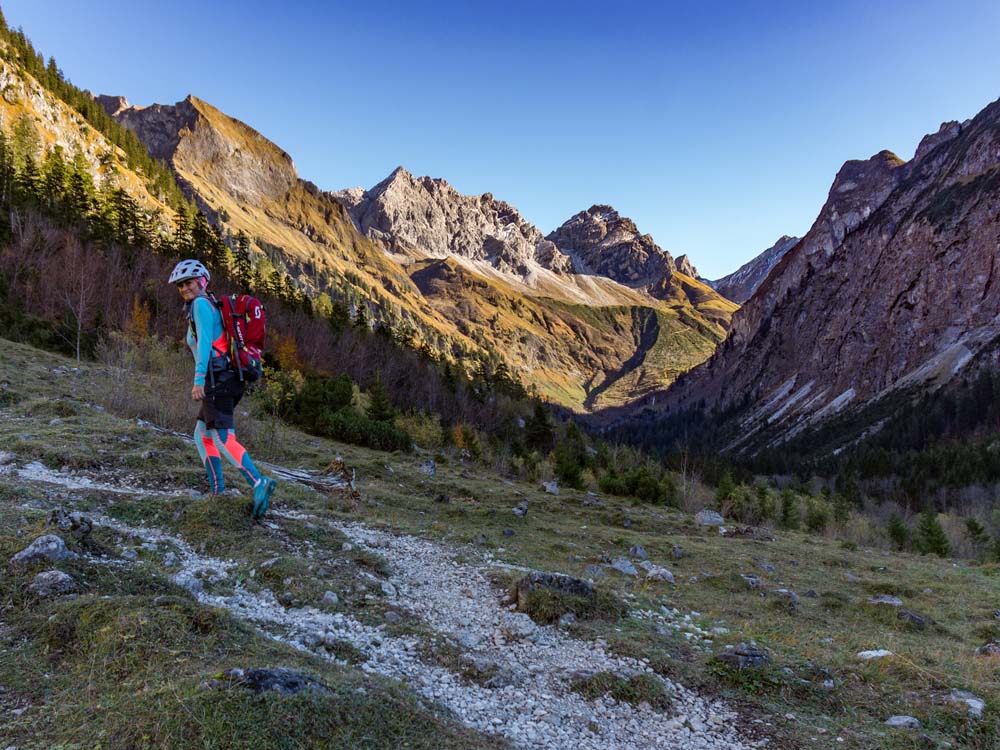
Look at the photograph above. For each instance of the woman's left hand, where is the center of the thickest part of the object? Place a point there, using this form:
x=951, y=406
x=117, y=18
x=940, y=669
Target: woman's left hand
x=197, y=393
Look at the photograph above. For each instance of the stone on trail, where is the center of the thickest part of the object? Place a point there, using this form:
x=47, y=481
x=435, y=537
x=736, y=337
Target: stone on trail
x=51, y=583
x=517, y=625
x=189, y=581
x=330, y=598
x=906, y=722
x=708, y=517
x=44, y=548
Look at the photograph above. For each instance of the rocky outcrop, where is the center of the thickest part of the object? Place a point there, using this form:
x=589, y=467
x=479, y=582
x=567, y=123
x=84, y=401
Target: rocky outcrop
x=195, y=137
x=603, y=243
x=404, y=213
x=683, y=265
x=740, y=285
x=893, y=285
x=113, y=105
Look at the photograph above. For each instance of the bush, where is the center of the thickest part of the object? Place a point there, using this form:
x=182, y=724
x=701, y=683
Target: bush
x=641, y=482
x=318, y=398
x=817, y=515
x=789, y=510
x=899, y=533
x=350, y=427
x=930, y=537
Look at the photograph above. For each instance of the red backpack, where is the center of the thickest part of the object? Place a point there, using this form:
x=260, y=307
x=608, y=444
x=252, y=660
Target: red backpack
x=243, y=320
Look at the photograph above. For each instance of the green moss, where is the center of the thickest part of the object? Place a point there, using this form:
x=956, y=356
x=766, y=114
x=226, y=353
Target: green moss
x=642, y=688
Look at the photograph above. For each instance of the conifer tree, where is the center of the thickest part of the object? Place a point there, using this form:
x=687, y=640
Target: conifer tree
x=930, y=537
x=380, y=408
x=538, y=430
x=898, y=532
x=789, y=510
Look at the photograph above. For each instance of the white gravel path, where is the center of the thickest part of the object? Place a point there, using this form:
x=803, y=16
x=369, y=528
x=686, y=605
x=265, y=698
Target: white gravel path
x=531, y=705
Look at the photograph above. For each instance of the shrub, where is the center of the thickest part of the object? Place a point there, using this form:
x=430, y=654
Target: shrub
x=350, y=427
x=898, y=531
x=817, y=515
x=789, y=510
x=930, y=537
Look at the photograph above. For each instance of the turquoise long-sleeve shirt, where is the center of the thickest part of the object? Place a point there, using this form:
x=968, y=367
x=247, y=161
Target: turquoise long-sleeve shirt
x=207, y=322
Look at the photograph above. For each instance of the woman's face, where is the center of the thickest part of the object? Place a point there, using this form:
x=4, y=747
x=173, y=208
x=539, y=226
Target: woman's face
x=189, y=289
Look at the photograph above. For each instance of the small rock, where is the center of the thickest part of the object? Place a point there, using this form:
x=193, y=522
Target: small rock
x=989, y=649
x=851, y=578
x=886, y=599
x=913, y=619
x=189, y=581
x=51, y=583
x=676, y=552
x=47, y=547
x=346, y=547
x=330, y=598
x=517, y=625
x=906, y=722
x=508, y=532
x=788, y=594
x=522, y=509
x=625, y=567
x=130, y=554
x=877, y=654
x=656, y=572
x=594, y=571
x=77, y=524
x=627, y=522
x=567, y=619
x=428, y=467
x=393, y=618
x=708, y=517
x=811, y=594
x=551, y=487
x=55, y=421
x=470, y=639
x=170, y=560
x=388, y=589
x=637, y=551
x=282, y=681
x=766, y=567
x=752, y=582
x=975, y=704
x=743, y=657
x=441, y=498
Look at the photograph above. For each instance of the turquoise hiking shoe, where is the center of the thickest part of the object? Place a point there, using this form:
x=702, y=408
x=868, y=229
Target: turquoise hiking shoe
x=261, y=496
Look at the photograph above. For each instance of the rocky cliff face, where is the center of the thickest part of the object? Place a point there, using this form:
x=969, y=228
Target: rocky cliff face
x=740, y=285
x=404, y=214
x=603, y=243
x=893, y=285
x=196, y=137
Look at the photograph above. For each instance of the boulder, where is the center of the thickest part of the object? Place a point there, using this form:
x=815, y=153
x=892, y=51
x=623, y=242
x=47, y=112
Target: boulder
x=48, y=548
x=656, y=572
x=52, y=583
x=974, y=703
x=638, y=552
x=742, y=657
x=624, y=567
x=706, y=517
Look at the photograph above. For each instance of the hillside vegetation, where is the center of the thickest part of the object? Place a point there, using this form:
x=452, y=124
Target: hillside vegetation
x=158, y=647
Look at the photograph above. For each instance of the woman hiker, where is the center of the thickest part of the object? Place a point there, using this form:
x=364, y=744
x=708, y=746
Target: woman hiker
x=214, y=432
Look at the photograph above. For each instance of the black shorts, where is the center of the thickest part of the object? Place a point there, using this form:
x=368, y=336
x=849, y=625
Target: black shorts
x=220, y=400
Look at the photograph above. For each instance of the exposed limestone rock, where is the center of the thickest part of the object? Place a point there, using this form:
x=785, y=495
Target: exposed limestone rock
x=740, y=285
x=683, y=265
x=404, y=213
x=47, y=548
x=602, y=242
x=51, y=583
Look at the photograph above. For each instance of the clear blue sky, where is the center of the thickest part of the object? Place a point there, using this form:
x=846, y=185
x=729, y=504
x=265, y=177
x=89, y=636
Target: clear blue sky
x=716, y=126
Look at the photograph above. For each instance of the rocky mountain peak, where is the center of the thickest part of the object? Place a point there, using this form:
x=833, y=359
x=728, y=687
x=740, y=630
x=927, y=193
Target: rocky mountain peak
x=602, y=242
x=404, y=213
x=194, y=136
x=112, y=104
x=740, y=285
x=947, y=131
x=683, y=265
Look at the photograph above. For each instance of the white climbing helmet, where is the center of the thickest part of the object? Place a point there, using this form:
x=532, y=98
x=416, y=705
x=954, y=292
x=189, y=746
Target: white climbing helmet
x=189, y=269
